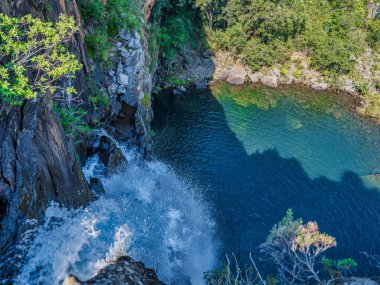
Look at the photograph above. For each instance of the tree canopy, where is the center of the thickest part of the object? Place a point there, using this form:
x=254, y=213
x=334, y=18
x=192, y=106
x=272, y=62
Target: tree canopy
x=264, y=32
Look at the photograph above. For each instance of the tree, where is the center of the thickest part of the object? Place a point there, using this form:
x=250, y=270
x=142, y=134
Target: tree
x=210, y=8
x=296, y=249
x=33, y=58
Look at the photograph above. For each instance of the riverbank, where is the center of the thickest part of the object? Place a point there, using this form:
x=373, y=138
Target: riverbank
x=298, y=72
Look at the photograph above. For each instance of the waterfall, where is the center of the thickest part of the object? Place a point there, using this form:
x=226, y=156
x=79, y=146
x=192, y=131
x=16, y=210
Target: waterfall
x=147, y=212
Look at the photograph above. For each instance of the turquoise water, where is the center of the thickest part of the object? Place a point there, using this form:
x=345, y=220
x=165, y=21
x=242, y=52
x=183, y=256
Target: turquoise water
x=254, y=152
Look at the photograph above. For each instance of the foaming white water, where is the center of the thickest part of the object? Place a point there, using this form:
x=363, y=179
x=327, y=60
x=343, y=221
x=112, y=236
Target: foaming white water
x=147, y=213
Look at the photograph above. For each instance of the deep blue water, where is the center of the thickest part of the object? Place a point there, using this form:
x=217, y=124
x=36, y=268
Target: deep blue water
x=255, y=152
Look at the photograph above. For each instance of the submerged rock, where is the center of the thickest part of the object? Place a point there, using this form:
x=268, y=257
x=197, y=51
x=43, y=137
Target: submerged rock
x=123, y=271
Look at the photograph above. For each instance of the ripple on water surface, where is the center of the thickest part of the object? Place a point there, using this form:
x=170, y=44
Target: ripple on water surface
x=255, y=152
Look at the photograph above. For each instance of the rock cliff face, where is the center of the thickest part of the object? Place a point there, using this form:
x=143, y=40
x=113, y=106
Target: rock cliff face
x=37, y=160
x=37, y=166
x=129, y=86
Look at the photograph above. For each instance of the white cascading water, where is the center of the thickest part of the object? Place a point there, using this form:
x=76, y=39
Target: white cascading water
x=148, y=213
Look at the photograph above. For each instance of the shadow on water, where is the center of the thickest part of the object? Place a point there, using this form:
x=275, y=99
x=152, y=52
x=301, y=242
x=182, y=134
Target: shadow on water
x=248, y=194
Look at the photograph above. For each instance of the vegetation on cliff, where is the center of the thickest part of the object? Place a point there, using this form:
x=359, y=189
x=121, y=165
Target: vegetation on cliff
x=34, y=61
x=33, y=57
x=179, y=24
x=104, y=20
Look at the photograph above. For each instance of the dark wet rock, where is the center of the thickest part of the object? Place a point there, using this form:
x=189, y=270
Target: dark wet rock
x=109, y=153
x=96, y=186
x=359, y=281
x=208, y=53
x=191, y=65
x=176, y=92
x=200, y=86
x=37, y=166
x=123, y=271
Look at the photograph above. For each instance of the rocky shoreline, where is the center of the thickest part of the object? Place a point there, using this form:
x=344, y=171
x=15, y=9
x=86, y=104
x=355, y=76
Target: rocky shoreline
x=299, y=72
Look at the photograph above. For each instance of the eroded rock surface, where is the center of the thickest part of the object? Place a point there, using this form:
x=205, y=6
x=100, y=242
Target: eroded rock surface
x=37, y=166
x=124, y=271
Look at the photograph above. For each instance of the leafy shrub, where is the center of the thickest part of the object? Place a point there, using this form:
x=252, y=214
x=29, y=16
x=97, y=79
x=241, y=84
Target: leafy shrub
x=264, y=33
x=339, y=268
x=72, y=120
x=180, y=24
x=284, y=71
x=232, y=274
x=97, y=44
x=33, y=57
x=100, y=98
x=374, y=33
x=145, y=100
x=174, y=35
x=297, y=74
x=296, y=249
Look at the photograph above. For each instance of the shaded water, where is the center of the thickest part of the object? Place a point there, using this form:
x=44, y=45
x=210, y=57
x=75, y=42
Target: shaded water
x=255, y=152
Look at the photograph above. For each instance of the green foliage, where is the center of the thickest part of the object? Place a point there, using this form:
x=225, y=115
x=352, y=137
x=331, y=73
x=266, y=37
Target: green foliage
x=97, y=44
x=100, y=98
x=339, y=268
x=283, y=70
x=72, y=120
x=297, y=73
x=173, y=82
x=154, y=48
x=106, y=19
x=237, y=275
x=374, y=33
x=179, y=25
x=33, y=57
x=145, y=100
x=267, y=32
x=174, y=35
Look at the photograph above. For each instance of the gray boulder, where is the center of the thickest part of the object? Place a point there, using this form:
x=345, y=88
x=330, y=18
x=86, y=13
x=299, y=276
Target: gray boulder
x=269, y=80
x=320, y=86
x=236, y=76
x=123, y=79
x=254, y=77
